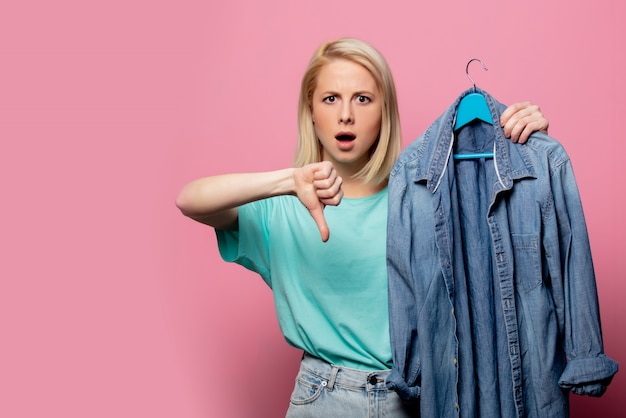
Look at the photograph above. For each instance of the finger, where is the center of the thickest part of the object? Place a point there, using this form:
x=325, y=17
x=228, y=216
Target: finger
x=528, y=130
x=517, y=117
x=540, y=123
x=513, y=129
x=526, y=126
x=323, y=184
x=325, y=189
x=324, y=170
x=509, y=127
x=318, y=216
x=333, y=200
x=525, y=134
x=523, y=129
x=510, y=111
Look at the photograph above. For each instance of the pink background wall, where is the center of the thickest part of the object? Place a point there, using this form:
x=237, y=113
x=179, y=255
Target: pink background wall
x=112, y=304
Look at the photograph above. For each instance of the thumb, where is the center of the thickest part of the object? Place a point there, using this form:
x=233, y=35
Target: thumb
x=318, y=216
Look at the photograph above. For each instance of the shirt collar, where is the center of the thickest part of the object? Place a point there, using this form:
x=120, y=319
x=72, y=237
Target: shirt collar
x=436, y=150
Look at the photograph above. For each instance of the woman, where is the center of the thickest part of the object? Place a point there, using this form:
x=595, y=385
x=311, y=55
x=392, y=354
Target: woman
x=330, y=294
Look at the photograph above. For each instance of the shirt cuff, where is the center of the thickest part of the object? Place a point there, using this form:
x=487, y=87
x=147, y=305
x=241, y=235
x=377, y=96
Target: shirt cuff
x=395, y=382
x=588, y=376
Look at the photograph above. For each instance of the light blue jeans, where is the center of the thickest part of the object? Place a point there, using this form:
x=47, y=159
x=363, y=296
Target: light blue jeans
x=324, y=390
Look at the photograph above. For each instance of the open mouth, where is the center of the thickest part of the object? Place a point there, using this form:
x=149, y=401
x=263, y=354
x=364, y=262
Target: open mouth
x=345, y=137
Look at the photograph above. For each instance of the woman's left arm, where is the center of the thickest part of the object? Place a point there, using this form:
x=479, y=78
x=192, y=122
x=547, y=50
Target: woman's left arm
x=522, y=119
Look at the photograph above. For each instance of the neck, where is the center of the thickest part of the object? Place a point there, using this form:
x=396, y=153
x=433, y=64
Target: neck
x=357, y=188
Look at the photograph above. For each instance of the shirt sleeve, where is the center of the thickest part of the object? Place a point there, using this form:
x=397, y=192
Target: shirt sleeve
x=248, y=245
x=588, y=370
x=404, y=376
x=588, y=376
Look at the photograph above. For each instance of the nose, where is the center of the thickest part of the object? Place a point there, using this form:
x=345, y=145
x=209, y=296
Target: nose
x=346, y=115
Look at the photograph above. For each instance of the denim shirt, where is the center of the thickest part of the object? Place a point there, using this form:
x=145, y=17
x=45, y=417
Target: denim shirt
x=492, y=295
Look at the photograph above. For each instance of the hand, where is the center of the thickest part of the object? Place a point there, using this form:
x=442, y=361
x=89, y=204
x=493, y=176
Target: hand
x=318, y=185
x=522, y=119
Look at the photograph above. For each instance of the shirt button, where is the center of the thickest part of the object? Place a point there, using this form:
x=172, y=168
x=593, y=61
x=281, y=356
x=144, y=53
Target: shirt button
x=456, y=406
x=454, y=361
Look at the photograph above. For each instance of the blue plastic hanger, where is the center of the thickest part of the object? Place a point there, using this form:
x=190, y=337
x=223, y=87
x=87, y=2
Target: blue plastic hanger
x=472, y=107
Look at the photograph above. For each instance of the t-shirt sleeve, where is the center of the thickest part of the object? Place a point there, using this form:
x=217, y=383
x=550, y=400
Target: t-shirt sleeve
x=248, y=245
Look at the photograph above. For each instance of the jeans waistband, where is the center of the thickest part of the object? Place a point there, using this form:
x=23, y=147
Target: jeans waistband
x=344, y=376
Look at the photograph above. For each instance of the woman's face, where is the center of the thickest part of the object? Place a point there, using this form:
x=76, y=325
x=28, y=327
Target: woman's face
x=347, y=113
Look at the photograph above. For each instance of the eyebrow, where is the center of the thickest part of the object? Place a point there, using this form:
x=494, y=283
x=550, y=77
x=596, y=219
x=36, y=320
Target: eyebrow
x=357, y=93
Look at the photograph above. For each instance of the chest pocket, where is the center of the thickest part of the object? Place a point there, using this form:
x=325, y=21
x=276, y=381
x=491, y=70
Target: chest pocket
x=527, y=259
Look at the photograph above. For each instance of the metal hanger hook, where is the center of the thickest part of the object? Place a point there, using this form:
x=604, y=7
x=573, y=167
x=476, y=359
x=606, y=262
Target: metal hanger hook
x=467, y=70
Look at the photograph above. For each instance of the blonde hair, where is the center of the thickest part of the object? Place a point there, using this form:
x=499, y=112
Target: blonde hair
x=387, y=148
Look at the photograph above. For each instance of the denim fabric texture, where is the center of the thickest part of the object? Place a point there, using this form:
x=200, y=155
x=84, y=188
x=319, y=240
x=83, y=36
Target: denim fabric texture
x=325, y=390
x=492, y=292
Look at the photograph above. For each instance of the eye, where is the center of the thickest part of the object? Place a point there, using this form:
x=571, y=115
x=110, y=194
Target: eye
x=330, y=99
x=363, y=99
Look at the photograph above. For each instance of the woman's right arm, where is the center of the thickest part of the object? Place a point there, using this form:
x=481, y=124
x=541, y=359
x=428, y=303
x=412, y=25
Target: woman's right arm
x=214, y=200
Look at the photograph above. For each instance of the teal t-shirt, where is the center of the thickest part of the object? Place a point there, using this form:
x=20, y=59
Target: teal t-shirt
x=331, y=298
